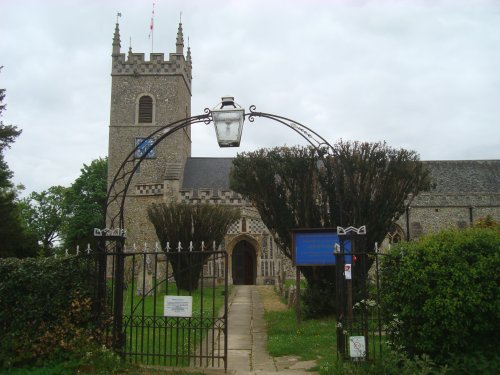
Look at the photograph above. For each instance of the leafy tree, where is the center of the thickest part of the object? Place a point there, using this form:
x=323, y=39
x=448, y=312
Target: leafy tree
x=441, y=294
x=14, y=239
x=179, y=222
x=44, y=214
x=359, y=184
x=86, y=205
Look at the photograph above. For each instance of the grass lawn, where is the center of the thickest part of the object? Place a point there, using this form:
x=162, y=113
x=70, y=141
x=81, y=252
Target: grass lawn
x=70, y=368
x=311, y=340
x=154, y=339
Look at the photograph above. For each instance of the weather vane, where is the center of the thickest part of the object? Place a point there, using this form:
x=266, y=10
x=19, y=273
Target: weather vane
x=117, y=16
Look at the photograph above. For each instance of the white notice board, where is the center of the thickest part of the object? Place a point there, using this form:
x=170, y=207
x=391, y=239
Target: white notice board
x=178, y=306
x=357, y=346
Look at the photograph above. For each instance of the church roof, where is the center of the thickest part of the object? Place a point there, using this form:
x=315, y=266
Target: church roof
x=207, y=173
x=465, y=176
x=449, y=176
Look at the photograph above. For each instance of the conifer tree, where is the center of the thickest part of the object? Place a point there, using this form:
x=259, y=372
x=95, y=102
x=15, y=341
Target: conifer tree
x=357, y=183
x=182, y=223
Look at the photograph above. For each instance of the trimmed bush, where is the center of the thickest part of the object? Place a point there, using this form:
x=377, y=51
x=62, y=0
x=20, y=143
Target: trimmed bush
x=45, y=308
x=441, y=294
x=184, y=223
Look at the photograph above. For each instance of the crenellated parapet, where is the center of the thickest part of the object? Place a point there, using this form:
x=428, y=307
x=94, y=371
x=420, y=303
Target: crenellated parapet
x=149, y=189
x=218, y=196
x=136, y=64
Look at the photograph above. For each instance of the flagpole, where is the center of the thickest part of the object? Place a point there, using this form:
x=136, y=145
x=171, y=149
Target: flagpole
x=152, y=27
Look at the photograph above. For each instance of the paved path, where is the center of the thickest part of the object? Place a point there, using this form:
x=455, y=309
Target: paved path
x=247, y=338
x=247, y=333
x=247, y=341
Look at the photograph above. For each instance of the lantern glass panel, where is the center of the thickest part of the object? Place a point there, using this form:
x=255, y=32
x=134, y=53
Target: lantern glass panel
x=228, y=126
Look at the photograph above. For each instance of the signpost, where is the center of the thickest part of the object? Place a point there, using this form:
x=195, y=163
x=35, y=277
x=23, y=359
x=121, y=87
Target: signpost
x=334, y=247
x=344, y=297
x=316, y=247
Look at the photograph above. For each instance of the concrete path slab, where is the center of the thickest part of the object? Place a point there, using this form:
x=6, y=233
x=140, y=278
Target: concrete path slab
x=247, y=340
x=248, y=337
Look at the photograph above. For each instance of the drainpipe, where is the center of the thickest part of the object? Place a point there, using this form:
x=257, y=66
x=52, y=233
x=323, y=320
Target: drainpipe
x=407, y=223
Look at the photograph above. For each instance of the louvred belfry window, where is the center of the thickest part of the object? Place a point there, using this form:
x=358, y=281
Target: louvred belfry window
x=145, y=110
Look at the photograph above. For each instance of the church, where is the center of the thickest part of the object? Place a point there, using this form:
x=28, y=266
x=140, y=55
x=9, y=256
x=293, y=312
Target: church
x=147, y=94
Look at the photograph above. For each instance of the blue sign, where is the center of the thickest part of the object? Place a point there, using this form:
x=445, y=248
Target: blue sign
x=316, y=248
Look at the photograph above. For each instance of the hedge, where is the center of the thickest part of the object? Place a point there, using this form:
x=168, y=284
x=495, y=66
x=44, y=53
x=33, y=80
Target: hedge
x=441, y=294
x=45, y=308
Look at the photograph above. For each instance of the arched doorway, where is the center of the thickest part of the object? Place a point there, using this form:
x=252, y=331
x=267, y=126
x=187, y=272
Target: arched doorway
x=244, y=264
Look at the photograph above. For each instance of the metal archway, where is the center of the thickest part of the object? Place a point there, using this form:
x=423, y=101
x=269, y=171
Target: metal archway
x=112, y=239
x=117, y=191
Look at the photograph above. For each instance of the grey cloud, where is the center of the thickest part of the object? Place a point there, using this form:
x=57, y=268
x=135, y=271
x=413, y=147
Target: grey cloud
x=422, y=75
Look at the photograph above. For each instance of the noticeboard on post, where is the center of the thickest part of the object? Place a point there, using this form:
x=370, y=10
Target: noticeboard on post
x=315, y=247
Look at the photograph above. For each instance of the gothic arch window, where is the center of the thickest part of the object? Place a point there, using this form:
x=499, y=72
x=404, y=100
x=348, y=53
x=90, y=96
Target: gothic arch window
x=395, y=234
x=145, y=110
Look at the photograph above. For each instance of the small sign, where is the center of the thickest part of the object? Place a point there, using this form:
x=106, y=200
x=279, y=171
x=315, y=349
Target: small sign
x=348, y=271
x=357, y=346
x=178, y=306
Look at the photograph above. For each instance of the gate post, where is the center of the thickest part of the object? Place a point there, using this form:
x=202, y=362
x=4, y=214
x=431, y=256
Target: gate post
x=100, y=303
x=118, y=237
x=344, y=290
x=340, y=302
x=118, y=337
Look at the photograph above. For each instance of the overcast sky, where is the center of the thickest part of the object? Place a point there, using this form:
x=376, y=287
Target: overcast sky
x=423, y=75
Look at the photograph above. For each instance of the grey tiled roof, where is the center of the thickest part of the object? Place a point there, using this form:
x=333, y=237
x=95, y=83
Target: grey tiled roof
x=450, y=176
x=465, y=176
x=211, y=173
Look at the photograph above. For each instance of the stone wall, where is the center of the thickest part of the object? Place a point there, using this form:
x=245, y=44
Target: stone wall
x=433, y=212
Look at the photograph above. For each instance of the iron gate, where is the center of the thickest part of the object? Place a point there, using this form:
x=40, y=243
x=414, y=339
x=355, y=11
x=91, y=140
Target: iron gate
x=142, y=326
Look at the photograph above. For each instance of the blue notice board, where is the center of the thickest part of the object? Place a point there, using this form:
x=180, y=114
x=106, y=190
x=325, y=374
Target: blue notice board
x=316, y=247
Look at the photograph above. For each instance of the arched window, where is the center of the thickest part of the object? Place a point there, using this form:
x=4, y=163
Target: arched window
x=395, y=234
x=145, y=110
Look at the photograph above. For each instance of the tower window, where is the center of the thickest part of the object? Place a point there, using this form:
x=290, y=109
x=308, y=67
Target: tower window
x=145, y=110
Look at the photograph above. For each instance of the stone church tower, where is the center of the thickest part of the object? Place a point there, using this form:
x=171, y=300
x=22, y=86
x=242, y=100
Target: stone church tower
x=146, y=95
